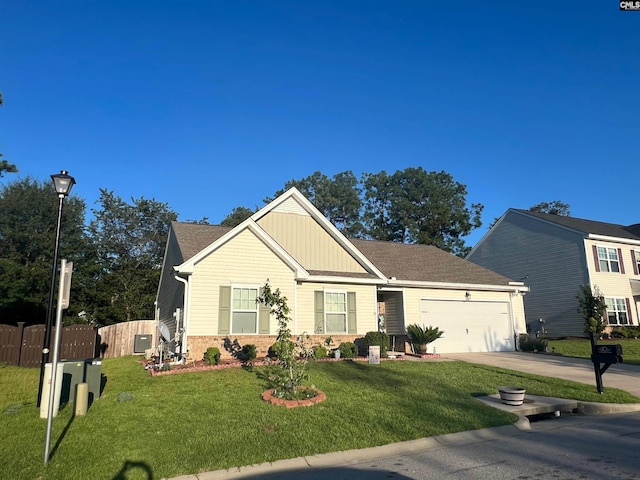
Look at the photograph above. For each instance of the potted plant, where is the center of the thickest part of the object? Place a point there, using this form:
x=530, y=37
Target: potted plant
x=512, y=395
x=420, y=336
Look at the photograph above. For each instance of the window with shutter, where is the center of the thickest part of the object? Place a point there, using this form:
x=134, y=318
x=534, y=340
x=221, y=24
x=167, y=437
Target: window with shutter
x=335, y=312
x=244, y=310
x=617, y=313
x=608, y=259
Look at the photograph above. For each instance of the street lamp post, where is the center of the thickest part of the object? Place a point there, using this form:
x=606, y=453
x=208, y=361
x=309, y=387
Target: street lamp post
x=63, y=183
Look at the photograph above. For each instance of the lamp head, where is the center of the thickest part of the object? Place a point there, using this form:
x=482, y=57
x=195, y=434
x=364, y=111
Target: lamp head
x=63, y=182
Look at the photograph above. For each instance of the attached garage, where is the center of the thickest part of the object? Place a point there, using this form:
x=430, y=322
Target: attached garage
x=469, y=326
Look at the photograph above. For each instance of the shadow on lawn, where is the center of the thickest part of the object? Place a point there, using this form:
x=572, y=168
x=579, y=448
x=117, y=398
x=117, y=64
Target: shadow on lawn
x=129, y=466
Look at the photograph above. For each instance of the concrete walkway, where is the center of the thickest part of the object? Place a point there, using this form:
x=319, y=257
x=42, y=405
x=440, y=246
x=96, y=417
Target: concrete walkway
x=624, y=377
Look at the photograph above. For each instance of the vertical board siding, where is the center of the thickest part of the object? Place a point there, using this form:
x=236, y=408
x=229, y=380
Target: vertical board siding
x=118, y=340
x=309, y=243
x=394, y=317
x=552, y=259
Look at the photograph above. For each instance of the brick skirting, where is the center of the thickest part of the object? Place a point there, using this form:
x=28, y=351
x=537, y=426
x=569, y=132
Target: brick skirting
x=197, y=345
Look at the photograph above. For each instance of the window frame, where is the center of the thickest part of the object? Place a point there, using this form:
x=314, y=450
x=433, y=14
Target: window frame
x=616, y=302
x=327, y=311
x=606, y=263
x=233, y=310
x=636, y=259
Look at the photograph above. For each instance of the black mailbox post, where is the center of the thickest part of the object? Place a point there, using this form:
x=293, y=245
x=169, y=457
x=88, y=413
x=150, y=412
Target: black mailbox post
x=603, y=354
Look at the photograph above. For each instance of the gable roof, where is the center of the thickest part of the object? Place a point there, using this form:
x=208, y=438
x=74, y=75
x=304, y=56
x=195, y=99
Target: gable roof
x=425, y=263
x=587, y=227
x=193, y=237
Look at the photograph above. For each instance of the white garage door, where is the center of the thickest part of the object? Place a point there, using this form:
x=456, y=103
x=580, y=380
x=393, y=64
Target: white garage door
x=468, y=326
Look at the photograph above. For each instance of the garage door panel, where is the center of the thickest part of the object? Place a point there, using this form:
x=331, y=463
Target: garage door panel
x=468, y=326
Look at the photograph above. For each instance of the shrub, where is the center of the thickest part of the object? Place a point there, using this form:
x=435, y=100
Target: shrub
x=529, y=343
x=380, y=339
x=625, y=332
x=420, y=336
x=212, y=356
x=277, y=347
x=319, y=351
x=348, y=350
x=249, y=352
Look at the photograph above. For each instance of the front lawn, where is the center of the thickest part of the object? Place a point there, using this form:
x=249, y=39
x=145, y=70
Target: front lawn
x=581, y=348
x=195, y=422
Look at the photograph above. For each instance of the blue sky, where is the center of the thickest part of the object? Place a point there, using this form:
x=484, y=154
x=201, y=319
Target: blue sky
x=209, y=105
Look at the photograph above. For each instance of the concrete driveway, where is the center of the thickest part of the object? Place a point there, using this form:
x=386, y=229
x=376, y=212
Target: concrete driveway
x=624, y=377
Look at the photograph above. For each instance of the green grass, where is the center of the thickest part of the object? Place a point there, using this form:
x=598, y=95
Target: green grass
x=581, y=348
x=194, y=422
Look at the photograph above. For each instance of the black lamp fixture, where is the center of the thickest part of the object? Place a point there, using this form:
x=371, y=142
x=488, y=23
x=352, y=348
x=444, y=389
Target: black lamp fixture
x=63, y=183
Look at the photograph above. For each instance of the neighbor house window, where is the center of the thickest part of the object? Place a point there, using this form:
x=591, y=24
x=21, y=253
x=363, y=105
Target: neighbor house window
x=617, y=311
x=244, y=310
x=335, y=312
x=608, y=259
x=636, y=260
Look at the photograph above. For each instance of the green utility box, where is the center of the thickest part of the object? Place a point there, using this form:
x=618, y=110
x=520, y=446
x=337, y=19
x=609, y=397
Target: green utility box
x=93, y=376
x=81, y=371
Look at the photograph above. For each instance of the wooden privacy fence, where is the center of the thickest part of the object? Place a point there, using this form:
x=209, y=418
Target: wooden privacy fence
x=22, y=346
x=118, y=340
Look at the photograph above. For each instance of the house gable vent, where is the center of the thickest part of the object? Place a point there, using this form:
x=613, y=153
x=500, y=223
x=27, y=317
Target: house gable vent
x=291, y=205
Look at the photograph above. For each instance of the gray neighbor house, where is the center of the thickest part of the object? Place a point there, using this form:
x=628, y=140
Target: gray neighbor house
x=554, y=255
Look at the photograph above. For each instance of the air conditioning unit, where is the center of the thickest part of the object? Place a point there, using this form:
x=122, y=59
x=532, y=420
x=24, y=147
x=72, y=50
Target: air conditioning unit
x=142, y=343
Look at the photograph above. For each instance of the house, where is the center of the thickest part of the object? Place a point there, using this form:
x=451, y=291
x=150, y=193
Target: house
x=335, y=286
x=554, y=255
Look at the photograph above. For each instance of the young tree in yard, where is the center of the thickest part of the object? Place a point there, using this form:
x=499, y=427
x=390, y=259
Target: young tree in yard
x=291, y=371
x=129, y=240
x=592, y=307
x=27, y=237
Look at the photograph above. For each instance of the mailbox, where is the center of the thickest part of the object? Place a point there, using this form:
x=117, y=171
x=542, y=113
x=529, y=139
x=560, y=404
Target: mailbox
x=607, y=353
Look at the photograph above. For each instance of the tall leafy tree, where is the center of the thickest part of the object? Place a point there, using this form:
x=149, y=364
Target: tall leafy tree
x=129, y=240
x=378, y=196
x=554, y=208
x=428, y=208
x=237, y=216
x=27, y=239
x=5, y=166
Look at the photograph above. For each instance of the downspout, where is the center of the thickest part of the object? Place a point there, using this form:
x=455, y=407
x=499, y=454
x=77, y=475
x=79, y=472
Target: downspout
x=185, y=315
x=514, y=323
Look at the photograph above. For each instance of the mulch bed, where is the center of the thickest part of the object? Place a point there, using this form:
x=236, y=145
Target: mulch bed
x=201, y=366
x=267, y=396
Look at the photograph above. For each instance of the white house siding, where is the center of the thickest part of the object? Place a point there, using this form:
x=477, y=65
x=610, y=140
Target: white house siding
x=549, y=259
x=309, y=243
x=614, y=284
x=244, y=260
x=366, y=306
